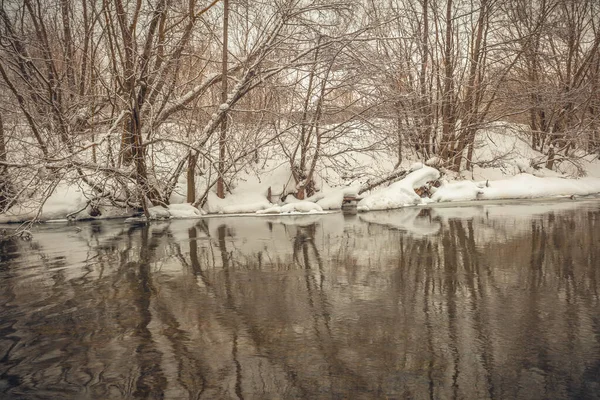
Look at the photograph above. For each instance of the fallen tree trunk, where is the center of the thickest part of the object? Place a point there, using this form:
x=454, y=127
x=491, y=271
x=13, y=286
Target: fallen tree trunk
x=395, y=175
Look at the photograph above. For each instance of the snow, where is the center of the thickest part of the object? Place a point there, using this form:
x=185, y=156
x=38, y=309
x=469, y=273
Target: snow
x=237, y=203
x=506, y=167
x=401, y=193
x=159, y=212
x=185, y=210
x=295, y=207
x=523, y=186
x=68, y=199
x=457, y=191
x=503, y=150
x=250, y=192
x=332, y=199
x=64, y=201
x=173, y=211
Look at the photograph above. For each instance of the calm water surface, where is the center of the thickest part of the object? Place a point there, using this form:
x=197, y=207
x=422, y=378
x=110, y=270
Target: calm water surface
x=494, y=301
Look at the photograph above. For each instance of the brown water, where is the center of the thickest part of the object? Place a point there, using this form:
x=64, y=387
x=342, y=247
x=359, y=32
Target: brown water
x=495, y=301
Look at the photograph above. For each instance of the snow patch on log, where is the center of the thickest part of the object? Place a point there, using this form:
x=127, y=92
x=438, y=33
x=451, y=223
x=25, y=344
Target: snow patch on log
x=401, y=193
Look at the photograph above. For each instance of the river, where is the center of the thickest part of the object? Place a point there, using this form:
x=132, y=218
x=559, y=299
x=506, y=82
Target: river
x=494, y=301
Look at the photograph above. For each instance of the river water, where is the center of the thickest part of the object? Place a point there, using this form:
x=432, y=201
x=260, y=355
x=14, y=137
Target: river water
x=491, y=301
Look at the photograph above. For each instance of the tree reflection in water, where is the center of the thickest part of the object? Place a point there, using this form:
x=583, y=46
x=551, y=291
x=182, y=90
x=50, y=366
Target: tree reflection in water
x=480, y=302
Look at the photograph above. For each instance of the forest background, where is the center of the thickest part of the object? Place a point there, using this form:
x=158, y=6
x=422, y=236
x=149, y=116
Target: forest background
x=133, y=100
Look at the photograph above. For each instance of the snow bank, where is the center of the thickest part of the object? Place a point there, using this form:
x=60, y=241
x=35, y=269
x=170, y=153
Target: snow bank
x=527, y=186
x=524, y=186
x=237, y=203
x=159, y=212
x=295, y=207
x=401, y=193
x=250, y=192
x=332, y=199
x=66, y=201
x=503, y=150
x=185, y=210
x=457, y=191
x=70, y=201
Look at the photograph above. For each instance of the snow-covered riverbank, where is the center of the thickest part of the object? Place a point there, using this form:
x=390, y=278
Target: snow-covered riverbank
x=503, y=169
x=66, y=201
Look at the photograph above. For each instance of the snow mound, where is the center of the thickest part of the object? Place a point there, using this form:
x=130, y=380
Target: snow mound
x=524, y=186
x=184, y=210
x=332, y=199
x=503, y=150
x=250, y=191
x=296, y=207
x=237, y=203
x=401, y=193
x=158, y=212
x=66, y=202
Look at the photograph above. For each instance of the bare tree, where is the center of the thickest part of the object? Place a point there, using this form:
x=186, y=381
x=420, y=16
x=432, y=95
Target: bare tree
x=560, y=41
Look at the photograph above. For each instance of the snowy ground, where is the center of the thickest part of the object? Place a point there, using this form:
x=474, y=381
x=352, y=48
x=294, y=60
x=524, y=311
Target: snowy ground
x=503, y=170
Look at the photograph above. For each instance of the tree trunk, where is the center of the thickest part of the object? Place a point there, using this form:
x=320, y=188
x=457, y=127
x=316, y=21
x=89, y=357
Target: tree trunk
x=139, y=159
x=223, y=134
x=425, y=101
x=2, y=142
x=473, y=94
x=448, y=94
x=5, y=187
x=399, y=133
x=191, y=178
x=395, y=175
x=550, y=161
